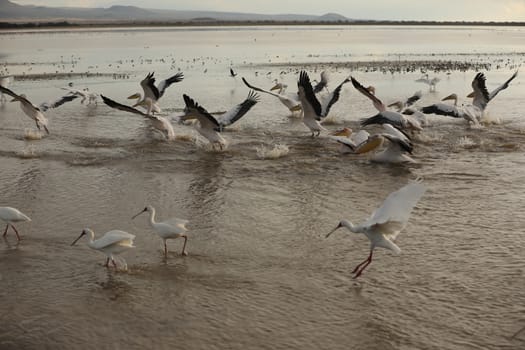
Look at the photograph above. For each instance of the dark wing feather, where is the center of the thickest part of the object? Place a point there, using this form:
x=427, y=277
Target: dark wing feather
x=122, y=107
x=148, y=84
x=334, y=97
x=258, y=89
x=442, y=109
x=413, y=99
x=377, y=102
x=239, y=110
x=406, y=146
x=379, y=119
x=199, y=110
x=14, y=95
x=323, y=83
x=306, y=86
x=163, y=85
x=481, y=94
x=232, y=73
x=502, y=87
x=57, y=103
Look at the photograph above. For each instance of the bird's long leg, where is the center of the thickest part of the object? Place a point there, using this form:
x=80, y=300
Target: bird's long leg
x=107, y=263
x=165, y=249
x=114, y=263
x=184, y=246
x=17, y=235
x=366, y=263
x=5, y=232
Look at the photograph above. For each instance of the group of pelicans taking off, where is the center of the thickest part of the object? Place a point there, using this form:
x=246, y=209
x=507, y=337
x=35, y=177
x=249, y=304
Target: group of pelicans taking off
x=313, y=102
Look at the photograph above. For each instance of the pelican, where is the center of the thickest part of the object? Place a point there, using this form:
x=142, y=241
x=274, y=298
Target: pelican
x=312, y=108
x=293, y=104
x=386, y=222
x=85, y=94
x=449, y=110
x=349, y=140
x=481, y=95
x=171, y=228
x=10, y=215
x=396, y=148
x=430, y=82
x=158, y=122
x=154, y=92
x=323, y=83
x=35, y=112
x=385, y=116
x=112, y=243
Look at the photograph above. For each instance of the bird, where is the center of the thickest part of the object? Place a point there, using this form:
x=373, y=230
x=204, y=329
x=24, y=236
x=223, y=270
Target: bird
x=210, y=127
x=386, y=222
x=349, y=140
x=154, y=92
x=111, y=243
x=167, y=229
x=85, y=94
x=402, y=105
x=430, y=82
x=10, y=215
x=313, y=110
x=322, y=84
x=4, y=81
x=453, y=111
x=35, y=112
x=292, y=103
x=385, y=116
x=396, y=148
x=481, y=96
x=158, y=122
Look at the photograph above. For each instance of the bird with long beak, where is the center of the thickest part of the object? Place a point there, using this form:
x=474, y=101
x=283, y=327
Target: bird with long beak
x=154, y=92
x=349, y=140
x=449, y=110
x=111, y=243
x=386, y=222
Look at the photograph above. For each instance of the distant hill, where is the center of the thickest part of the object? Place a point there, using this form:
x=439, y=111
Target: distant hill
x=10, y=11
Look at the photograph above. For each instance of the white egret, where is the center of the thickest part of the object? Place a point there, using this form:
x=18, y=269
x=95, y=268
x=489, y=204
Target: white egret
x=35, y=112
x=111, y=243
x=158, y=122
x=167, y=229
x=386, y=222
x=385, y=116
x=313, y=110
x=10, y=215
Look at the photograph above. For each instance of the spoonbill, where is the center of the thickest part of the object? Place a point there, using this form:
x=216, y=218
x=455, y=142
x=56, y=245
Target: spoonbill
x=386, y=222
x=10, y=215
x=111, y=243
x=167, y=229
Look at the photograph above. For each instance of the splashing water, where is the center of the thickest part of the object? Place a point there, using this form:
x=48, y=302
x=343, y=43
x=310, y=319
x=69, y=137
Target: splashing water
x=30, y=134
x=465, y=142
x=278, y=151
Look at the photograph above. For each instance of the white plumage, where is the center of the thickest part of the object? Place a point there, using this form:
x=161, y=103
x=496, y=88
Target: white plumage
x=10, y=215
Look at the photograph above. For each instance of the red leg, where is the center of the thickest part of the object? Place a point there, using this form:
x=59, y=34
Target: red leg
x=17, y=236
x=360, y=264
x=184, y=246
x=5, y=232
x=367, y=262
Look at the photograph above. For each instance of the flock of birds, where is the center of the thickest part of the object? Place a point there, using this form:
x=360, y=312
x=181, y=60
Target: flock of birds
x=314, y=102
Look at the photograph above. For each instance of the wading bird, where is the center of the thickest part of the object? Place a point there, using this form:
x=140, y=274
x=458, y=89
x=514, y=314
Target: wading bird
x=386, y=222
x=10, y=215
x=167, y=229
x=112, y=243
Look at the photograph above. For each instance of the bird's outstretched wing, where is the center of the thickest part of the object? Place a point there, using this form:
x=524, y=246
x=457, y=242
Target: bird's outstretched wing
x=116, y=105
x=413, y=99
x=323, y=83
x=398, y=206
x=259, y=89
x=44, y=106
x=18, y=97
x=193, y=109
x=332, y=98
x=239, y=110
x=344, y=141
x=378, y=104
x=148, y=85
x=163, y=85
x=502, y=86
x=311, y=106
x=481, y=94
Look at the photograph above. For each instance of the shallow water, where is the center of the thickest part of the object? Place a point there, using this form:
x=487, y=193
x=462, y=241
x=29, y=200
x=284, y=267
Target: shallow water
x=259, y=273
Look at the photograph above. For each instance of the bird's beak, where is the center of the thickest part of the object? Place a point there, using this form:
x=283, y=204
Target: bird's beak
x=471, y=95
x=134, y=216
x=134, y=96
x=296, y=108
x=276, y=87
x=76, y=240
x=449, y=97
x=335, y=229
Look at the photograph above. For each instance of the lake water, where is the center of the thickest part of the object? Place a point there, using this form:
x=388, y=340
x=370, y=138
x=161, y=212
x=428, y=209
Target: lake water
x=260, y=274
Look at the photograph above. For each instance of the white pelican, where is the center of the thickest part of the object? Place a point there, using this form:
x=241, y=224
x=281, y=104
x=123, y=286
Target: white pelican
x=386, y=222
x=312, y=108
x=154, y=92
x=385, y=116
x=396, y=148
x=210, y=127
x=85, y=94
x=160, y=123
x=112, y=243
x=167, y=229
x=293, y=104
x=10, y=215
x=323, y=83
x=430, y=82
x=349, y=140
x=35, y=112
x=481, y=95
x=453, y=111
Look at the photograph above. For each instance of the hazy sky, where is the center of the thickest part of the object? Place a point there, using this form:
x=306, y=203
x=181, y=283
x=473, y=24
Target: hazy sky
x=468, y=10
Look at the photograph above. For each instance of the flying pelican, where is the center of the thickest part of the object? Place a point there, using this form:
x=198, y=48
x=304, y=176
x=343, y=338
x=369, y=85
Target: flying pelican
x=154, y=92
x=210, y=127
x=112, y=243
x=85, y=94
x=291, y=103
x=171, y=228
x=35, y=112
x=386, y=222
x=349, y=140
x=449, y=110
x=481, y=95
x=396, y=148
x=312, y=108
x=385, y=116
x=158, y=122
x=10, y=215
x=322, y=84
x=430, y=82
